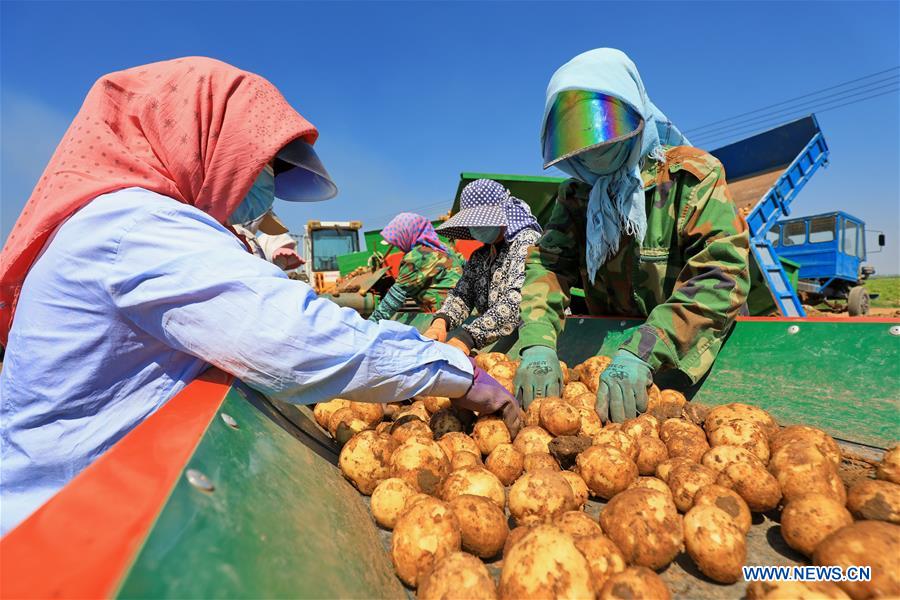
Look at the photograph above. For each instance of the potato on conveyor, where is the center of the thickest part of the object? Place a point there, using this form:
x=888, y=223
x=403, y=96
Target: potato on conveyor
x=686, y=480
x=809, y=519
x=798, y=479
x=590, y=421
x=743, y=434
x=617, y=439
x=465, y=459
x=389, y=501
x=503, y=370
x=573, y=390
x=634, y=583
x=533, y=413
x=715, y=543
x=719, y=457
x=577, y=523
x=482, y=524
x=683, y=439
x=540, y=497
x=506, y=463
x=645, y=525
x=579, y=487
x=807, y=436
x=410, y=426
x=515, y=535
x=758, y=487
x=651, y=451
x=605, y=470
x=875, y=500
x=414, y=499
x=642, y=425
x=603, y=556
x=559, y=417
x=457, y=575
x=421, y=463
x=417, y=409
x=456, y=441
x=486, y=360
x=545, y=563
x=664, y=469
x=444, y=422
x=365, y=460
x=477, y=481
x=434, y=403
x=794, y=590
x=889, y=467
x=540, y=461
x=427, y=532
x=344, y=424
x=532, y=439
x=872, y=543
x=566, y=448
x=323, y=410
x=369, y=412
x=652, y=483
x=665, y=404
x=729, y=502
x=489, y=432
x=740, y=412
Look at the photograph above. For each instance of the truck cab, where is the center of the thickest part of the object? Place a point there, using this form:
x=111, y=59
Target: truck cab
x=325, y=241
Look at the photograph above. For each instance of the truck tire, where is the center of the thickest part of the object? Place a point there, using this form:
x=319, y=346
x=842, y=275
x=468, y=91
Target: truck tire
x=858, y=301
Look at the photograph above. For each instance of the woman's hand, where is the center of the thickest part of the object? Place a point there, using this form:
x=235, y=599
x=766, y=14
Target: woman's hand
x=437, y=331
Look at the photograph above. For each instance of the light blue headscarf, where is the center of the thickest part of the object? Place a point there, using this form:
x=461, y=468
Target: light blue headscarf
x=616, y=202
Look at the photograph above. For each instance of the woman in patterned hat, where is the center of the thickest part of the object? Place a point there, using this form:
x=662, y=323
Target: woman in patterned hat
x=428, y=269
x=492, y=279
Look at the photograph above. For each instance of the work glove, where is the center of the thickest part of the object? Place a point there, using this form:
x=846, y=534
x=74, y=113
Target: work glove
x=538, y=375
x=390, y=304
x=622, y=393
x=487, y=396
x=437, y=331
x=287, y=259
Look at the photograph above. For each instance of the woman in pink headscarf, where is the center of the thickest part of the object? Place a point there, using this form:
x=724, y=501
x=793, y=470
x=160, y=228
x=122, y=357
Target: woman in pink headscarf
x=428, y=270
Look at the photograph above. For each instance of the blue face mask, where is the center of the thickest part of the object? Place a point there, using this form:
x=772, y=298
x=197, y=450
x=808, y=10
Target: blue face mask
x=607, y=159
x=258, y=200
x=485, y=235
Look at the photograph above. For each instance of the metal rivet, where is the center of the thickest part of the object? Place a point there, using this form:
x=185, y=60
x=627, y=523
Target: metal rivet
x=229, y=420
x=622, y=323
x=793, y=329
x=199, y=480
x=895, y=330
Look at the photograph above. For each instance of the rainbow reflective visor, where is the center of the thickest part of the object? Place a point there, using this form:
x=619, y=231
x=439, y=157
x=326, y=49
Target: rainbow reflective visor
x=580, y=119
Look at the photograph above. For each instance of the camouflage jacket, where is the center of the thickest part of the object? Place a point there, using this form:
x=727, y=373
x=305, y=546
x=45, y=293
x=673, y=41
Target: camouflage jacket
x=428, y=275
x=689, y=277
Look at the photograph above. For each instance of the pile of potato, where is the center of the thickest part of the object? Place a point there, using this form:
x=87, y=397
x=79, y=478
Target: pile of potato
x=679, y=478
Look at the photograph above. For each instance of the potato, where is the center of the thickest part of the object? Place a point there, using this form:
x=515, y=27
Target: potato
x=740, y=412
x=477, y=481
x=503, y=370
x=573, y=390
x=490, y=432
x=369, y=412
x=577, y=523
x=427, y=532
x=508, y=383
x=667, y=404
x=506, y=463
x=533, y=412
x=809, y=519
x=540, y=497
x=743, y=434
x=807, y=436
x=545, y=563
x=434, y=403
x=721, y=456
x=532, y=439
x=728, y=501
x=715, y=543
x=875, y=500
x=605, y=470
x=618, y=440
x=664, y=469
x=416, y=409
x=344, y=424
x=645, y=424
x=758, y=487
x=683, y=439
x=589, y=421
x=323, y=410
x=564, y=369
x=559, y=418
x=365, y=460
x=798, y=479
x=872, y=543
x=669, y=428
x=486, y=360
x=651, y=451
x=482, y=524
x=686, y=480
x=415, y=498
x=794, y=590
x=634, y=583
x=389, y=501
x=652, y=483
x=456, y=441
x=515, y=535
x=540, y=461
x=889, y=467
x=457, y=575
x=421, y=463
x=408, y=427
x=645, y=525
x=566, y=448
x=603, y=556
x=579, y=487
x=445, y=421
x=464, y=459
x=384, y=427
x=392, y=409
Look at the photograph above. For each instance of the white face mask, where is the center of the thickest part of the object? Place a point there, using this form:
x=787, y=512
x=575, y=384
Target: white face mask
x=485, y=235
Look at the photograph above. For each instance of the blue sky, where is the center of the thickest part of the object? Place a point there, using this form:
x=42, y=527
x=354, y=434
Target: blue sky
x=407, y=95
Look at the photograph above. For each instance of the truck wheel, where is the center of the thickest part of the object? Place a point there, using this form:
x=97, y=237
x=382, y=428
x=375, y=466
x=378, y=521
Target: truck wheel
x=858, y=301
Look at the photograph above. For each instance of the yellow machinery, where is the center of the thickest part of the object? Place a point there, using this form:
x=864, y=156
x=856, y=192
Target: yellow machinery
x=323, y=243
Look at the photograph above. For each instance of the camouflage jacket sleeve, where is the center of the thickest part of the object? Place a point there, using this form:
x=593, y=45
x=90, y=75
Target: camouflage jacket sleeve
x=686, y=331
x=551, y=269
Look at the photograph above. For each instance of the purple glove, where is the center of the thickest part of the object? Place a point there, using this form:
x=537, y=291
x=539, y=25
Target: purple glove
x=488, y=396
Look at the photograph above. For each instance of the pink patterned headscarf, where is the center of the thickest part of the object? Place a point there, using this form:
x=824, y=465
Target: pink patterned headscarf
x=407, y=230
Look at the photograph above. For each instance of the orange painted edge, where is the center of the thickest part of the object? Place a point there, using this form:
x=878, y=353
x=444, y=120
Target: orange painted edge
x=766, y=319
x=80, y=543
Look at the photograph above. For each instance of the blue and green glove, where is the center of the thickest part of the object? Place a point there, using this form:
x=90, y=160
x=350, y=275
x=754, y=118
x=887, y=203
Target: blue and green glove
x=622, y=393
x=390, y=304
x=538, y=375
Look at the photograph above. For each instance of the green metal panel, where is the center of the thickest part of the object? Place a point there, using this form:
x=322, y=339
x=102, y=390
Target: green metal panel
x=281, y=522
x=842, y=376
x=349, y=262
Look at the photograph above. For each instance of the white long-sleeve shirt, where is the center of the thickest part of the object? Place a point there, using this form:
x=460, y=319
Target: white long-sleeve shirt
x=134, y=296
